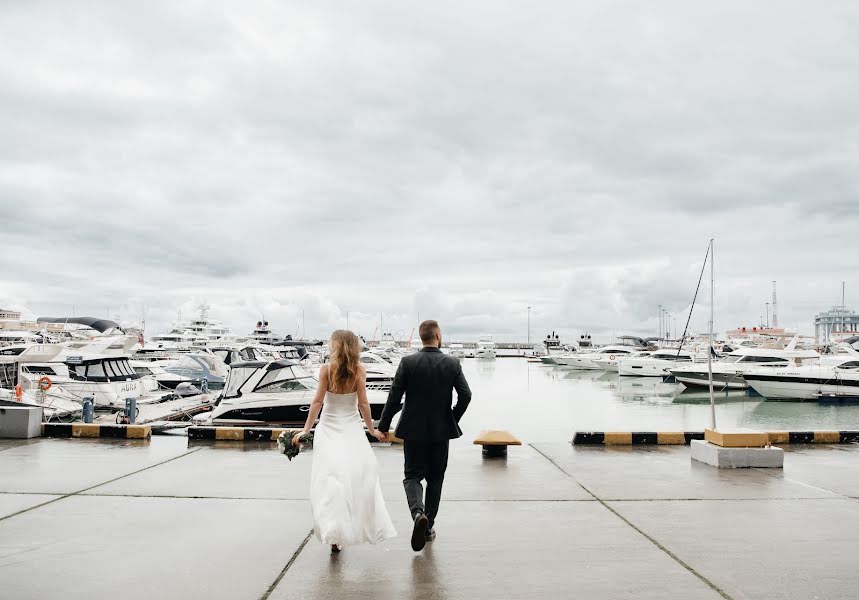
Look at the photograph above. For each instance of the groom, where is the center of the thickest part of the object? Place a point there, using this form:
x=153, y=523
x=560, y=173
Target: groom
x=427, y=424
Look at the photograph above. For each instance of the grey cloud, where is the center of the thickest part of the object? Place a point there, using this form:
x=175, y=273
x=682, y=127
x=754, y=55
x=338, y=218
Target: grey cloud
x=575, y=157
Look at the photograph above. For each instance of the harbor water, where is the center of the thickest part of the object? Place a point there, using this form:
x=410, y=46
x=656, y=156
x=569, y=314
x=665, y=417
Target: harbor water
x=549, y=403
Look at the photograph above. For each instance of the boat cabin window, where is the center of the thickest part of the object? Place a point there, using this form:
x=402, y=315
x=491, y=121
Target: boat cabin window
x=142, y=371
x=776, y=360
x=11, y=351
x=38, y=369
x=853, y=364
x=236, y=379
x=370, y=360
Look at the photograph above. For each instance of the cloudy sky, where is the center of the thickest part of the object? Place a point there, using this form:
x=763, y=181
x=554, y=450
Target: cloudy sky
x=461, y=161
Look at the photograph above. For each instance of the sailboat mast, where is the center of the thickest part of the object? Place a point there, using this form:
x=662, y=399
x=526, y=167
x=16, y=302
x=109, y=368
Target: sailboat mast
x=710, y=349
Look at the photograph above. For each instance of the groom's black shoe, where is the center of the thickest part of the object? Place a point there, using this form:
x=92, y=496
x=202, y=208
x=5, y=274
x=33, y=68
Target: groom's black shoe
x=419, y=539
x=430, y=534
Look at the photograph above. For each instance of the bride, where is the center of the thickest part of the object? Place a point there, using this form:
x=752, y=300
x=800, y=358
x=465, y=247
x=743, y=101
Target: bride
x=345, y=496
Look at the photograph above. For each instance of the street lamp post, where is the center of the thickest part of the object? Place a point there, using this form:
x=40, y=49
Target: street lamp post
x=529, y=325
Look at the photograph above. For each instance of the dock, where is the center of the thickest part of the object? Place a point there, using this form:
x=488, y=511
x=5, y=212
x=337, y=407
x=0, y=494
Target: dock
x=161, y=517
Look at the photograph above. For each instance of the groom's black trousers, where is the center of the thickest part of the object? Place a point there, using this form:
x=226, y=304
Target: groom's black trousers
x=424, y=460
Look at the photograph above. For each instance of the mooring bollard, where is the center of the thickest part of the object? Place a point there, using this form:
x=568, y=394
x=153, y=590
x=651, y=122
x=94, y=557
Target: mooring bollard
x=130, y=409
x=88, y=409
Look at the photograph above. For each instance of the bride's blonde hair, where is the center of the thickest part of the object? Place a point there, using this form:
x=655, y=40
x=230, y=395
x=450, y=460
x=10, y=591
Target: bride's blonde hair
x=344, y=362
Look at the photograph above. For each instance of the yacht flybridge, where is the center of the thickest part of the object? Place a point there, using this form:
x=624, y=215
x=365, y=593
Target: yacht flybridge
x=277, y=392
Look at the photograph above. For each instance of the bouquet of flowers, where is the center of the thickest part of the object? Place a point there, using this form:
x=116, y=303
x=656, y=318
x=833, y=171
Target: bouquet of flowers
x=285, y=445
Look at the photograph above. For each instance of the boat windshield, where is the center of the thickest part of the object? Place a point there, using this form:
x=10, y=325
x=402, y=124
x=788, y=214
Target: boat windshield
x=286, y=380
x=237, y=378
x=732, y=359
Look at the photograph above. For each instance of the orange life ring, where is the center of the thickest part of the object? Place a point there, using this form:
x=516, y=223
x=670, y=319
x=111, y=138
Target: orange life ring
x=19, y=392
x=45, y=383
x=611, y=356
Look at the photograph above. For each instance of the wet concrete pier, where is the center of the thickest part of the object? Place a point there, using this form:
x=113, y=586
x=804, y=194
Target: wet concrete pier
x=164, y=519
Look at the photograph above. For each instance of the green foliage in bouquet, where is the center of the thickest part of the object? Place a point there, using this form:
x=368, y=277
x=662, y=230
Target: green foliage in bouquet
x=285, y=445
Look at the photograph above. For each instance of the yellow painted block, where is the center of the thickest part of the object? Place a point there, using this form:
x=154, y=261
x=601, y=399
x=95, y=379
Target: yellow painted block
x=615, y=438
x=736, y=438
x=497, y=438
x=275, y=433
x=86, y=430
x=778, y=437
x=138, y=432
x=827, y=437
x=677, y=438
x=235, y=434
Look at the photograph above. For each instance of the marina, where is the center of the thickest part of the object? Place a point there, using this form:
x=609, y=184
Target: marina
x=437, y=301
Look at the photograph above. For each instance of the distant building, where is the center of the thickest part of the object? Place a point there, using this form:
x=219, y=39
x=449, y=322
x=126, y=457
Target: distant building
x=836, y=324
x=9, y=315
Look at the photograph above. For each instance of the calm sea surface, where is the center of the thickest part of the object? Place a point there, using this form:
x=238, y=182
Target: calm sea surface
x=548, y=404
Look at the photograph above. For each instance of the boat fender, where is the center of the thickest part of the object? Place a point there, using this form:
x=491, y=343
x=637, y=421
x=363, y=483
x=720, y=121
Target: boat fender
x=19, y=392
x=45, y=383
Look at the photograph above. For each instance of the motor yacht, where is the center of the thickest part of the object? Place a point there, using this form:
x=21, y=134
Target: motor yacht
x=456, y=350
x=380, y=373
x=277, y=392
x=654, y=364
x=728, y=372
x=485, y=348
x=201, y=331
x=833, y=375
x=610, y=362
x=57, y=403
x=262, y=334
x=586, y=360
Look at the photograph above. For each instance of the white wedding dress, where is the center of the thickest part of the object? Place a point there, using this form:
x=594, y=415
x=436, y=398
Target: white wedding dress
x=345, y=496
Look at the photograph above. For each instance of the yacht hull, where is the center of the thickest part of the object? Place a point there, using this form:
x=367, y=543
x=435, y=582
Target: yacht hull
x=721, y=381
x=799, y=386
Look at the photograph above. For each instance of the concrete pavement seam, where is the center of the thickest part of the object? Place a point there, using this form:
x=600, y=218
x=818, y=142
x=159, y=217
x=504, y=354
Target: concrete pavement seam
x=649, y=538
x=279, y=578
x=838, y=495
x=92, y=487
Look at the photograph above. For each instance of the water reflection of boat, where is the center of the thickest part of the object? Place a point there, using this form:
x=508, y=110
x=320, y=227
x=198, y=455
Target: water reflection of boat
x=577, y=374
x=643, y=388
x=728, y=396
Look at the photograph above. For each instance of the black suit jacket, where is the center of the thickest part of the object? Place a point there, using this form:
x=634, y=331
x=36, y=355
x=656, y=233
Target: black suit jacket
x=428, y=379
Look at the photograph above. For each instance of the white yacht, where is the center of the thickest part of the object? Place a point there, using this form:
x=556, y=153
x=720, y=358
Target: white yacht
x=100, y=369
x=262, y=334
x=611, y=362
x=201, y=331
x=654, y=364
x=380, y=373
x=833, y=375
x=456, y=350
x=16, y=389
x=586, y=360
x=277, y=392
x=485, y=348
x=729, y=371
